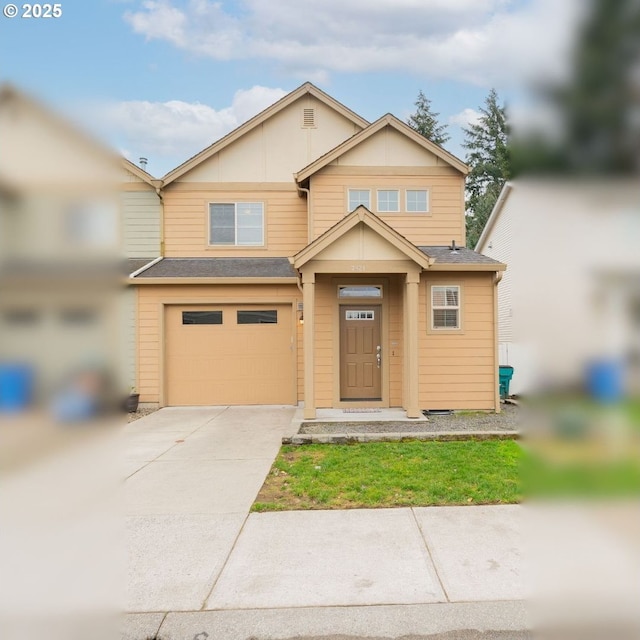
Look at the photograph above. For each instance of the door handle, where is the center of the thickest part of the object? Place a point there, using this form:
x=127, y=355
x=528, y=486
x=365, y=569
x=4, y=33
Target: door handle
x=378, y=355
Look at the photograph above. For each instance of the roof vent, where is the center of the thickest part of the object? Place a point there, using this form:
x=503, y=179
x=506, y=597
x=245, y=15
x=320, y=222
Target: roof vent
x=143, y=163
x=453, y=247
x=308, y=118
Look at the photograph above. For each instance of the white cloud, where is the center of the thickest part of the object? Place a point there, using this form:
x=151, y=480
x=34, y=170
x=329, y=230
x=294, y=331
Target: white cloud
x=465, y=117
x=170, y=132
x=487, y=42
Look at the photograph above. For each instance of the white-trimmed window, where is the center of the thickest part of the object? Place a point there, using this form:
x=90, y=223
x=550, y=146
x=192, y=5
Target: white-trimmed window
x=417, y=200
x=445, y=307
x=236, y=223
x=359, y=197
x=388, y=200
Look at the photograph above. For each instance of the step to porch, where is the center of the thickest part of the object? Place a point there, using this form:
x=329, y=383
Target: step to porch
x=392, y=425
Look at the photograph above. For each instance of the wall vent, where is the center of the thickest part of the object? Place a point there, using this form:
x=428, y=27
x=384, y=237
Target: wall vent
x=309, y=118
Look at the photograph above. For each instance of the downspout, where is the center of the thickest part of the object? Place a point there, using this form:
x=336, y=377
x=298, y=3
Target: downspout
x=158, y=187
x=309, y=213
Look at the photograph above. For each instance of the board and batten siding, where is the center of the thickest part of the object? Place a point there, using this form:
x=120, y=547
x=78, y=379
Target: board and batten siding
x=186, y=215
x=458, y=370
x=141, y=223
x=278, y=147
x=443, y=222
x=151, y=299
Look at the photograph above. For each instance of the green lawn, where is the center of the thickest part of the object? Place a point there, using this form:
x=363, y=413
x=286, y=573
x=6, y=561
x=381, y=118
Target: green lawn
x=392, y=475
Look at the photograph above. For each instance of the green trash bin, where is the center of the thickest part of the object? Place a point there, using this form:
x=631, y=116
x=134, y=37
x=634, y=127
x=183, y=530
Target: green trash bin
x=506, y=373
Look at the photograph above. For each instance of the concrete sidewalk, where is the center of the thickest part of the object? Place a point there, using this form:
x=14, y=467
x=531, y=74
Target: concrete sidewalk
x=200, y=564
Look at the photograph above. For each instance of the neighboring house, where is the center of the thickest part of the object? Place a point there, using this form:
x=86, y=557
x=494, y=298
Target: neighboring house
x=571, y=295
x=310, y=256
x=70, y=212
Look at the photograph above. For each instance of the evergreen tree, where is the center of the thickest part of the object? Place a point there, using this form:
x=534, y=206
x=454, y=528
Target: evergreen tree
x=490, y=164
x=425, y=121
x=597, y=108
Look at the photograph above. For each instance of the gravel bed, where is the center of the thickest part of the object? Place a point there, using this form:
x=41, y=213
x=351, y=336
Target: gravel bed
x=140, y=413
x=505, y=421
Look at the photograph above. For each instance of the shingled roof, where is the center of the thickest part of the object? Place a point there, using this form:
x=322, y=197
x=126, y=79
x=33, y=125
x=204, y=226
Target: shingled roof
x=220, y=268
x=462, y=255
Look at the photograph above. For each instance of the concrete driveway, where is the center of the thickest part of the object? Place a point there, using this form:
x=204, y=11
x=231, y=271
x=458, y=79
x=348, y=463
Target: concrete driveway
x=192, y=475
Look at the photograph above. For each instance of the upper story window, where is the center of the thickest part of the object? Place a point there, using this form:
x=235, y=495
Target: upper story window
x=417, y=200
x=388, y=201
x=359, y=197
x=236, y=223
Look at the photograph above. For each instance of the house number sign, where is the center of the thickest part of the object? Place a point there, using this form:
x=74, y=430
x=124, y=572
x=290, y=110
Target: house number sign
x=358, y=267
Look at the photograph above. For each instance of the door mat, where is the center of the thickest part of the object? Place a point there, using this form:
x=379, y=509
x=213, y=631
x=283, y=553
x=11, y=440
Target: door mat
x=361, y=410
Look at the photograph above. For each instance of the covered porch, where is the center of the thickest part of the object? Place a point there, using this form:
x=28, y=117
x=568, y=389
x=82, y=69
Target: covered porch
x=360, y=284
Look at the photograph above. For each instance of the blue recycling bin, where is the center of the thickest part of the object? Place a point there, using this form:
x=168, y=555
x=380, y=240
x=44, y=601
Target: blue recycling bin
x=605, y=380
x=16, y=386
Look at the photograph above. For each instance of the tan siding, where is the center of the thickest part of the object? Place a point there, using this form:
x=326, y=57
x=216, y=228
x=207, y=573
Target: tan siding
x=443, y=223
x=186, y=222
x=150, y=300
x=457, y=370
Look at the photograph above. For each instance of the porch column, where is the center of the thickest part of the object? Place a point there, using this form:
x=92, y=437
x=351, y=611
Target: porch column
x=308, y=332
x=411, y=360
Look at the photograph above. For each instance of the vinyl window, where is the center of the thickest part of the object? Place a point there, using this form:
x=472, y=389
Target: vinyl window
x=359, y=197
x=388, y=201
x=445, y=307
x=236, y=223
x=417, y=200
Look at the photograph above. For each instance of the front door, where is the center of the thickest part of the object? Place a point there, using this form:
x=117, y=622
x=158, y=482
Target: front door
x=360, y=352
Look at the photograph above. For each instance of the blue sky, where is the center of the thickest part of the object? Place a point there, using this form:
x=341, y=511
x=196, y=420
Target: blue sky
x=165, y=78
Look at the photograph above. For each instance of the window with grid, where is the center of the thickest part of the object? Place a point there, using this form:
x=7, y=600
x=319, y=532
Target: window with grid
x=445, y=307
x=388, y=201
x=359, y=197
x=236, y=223
x=417, y=200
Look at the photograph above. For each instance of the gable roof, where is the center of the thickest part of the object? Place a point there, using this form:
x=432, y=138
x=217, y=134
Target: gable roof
x=358, y=215
x=140, y=173
x=306, y=89
x=493, y=217
x=387, y=120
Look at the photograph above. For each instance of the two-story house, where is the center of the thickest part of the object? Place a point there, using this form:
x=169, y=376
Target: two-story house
x=311, y=256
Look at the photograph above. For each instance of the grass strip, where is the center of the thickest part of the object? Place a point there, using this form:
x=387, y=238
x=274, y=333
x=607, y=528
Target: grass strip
x=380, y=475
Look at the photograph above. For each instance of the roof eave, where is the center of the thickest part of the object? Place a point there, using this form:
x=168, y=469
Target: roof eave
x=480, y=266
x=493, y=216
x=213, y=280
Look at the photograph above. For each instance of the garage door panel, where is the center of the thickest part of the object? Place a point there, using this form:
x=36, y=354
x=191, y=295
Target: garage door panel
x=229, y=363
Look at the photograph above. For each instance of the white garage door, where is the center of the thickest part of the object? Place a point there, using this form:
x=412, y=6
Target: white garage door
x=229, y=354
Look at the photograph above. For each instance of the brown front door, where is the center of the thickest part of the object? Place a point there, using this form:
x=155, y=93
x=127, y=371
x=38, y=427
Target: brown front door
x=360, y=352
